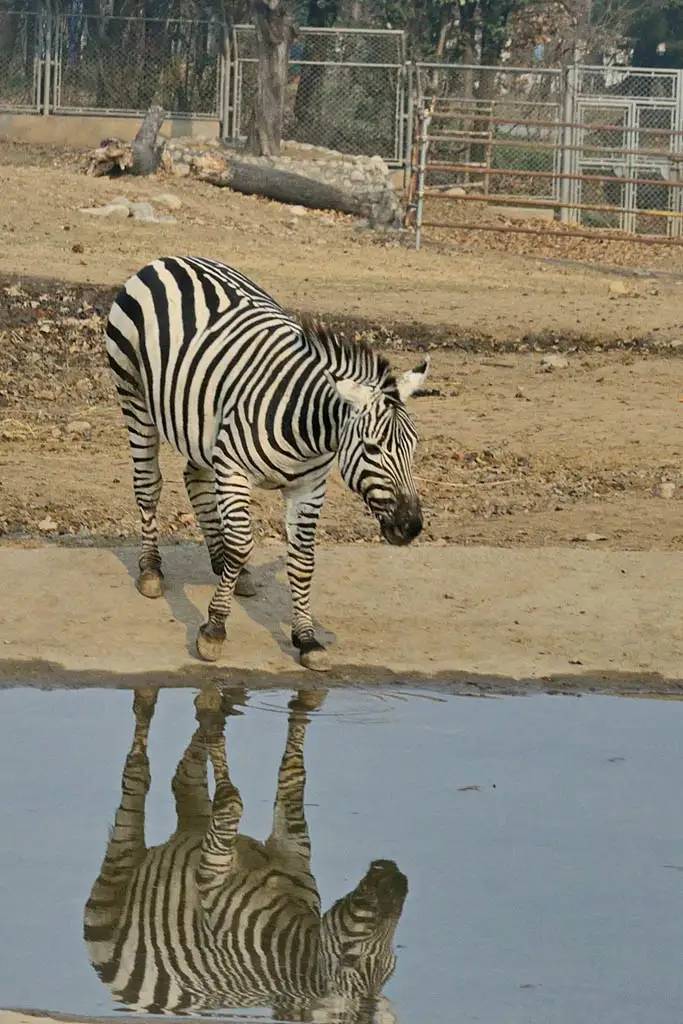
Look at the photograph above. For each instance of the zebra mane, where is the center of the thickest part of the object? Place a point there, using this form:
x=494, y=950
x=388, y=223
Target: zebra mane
x=350, y=360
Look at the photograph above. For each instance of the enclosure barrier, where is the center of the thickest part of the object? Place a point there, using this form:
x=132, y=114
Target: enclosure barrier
x=601, y=160
x=592, y=147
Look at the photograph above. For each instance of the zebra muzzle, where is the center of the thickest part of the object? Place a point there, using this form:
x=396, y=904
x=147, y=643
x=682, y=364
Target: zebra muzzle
x=405, y=524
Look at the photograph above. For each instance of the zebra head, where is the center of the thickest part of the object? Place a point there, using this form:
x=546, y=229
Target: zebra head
x=376, y=449
x=357, y=942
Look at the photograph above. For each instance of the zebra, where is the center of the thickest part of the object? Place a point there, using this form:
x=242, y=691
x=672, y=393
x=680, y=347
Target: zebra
x=206, y=360
x=213, y=919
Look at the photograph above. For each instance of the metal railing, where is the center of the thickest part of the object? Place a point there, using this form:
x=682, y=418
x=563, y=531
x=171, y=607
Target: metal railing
x=598, y=148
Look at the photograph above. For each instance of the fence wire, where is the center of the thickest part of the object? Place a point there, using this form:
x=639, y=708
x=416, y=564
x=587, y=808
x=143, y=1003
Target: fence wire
x=124, y=65
x=21, y=52
x=344, y=89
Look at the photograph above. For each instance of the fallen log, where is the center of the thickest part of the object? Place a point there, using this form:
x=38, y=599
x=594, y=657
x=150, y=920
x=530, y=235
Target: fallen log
x=287, y=187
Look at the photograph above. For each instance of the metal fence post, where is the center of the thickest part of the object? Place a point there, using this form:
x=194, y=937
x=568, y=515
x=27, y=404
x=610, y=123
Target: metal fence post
x=47, y=63
x=226, y=86
x=567, y=152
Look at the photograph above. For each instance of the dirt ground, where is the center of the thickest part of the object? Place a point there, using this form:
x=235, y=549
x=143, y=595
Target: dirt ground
x=511, y=453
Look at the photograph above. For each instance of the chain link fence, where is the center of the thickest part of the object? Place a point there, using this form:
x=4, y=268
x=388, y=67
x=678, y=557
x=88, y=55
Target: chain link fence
x=21, y=53
x=124, y=65
x=345, y=89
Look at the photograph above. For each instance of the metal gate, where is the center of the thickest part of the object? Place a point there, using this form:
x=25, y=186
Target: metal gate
x=591, y=147
x=626, y=149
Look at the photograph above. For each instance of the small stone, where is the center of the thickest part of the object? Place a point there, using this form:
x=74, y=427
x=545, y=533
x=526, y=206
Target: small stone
x=79, y=428
x=168, y=200
x=554, y=361
x=519, y=393
x=77, y=247
x=181, y=169
x=619, y=288
x=665, y=489
x=297, y=211
x=47, y=525
x=111, y=210
x=591, y=538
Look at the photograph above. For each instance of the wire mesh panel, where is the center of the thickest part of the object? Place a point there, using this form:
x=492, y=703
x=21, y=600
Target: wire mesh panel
x=124, y=65
x=344, y=89
x=496, y=129
x=628, y=149
x=21, y=54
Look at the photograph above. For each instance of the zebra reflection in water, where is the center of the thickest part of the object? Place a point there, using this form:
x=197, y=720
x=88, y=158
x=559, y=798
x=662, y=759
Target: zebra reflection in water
x=212, y=918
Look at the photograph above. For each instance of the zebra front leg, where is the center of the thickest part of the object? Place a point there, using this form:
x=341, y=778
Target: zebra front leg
x=302, y=514
x=290, y=829
x=143, y=437
x=201, y=490
x=232, y=494
x=218, y=846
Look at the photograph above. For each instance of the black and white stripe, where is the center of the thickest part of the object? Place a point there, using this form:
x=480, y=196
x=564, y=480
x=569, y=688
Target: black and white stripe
x=214, y=919
x=204, y=359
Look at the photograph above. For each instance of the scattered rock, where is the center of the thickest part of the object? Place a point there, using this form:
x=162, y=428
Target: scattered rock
x=77, y=247
x=618, y=289
x=181, y=169
x=590, y=538
x=665, y=489
x=168, y=200
x=79, y=428
x=110, y=210
x=47, y=525
x=554, y=361
x=297, y=211
x=519, y=393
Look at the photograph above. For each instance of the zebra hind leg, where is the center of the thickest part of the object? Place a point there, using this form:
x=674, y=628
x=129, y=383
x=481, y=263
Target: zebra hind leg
x=126, y=848
x=302, y=514
x=147, y=481
x=232, y=493
x=201, y=490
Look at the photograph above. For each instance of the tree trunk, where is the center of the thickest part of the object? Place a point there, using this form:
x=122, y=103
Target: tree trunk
x=274, y=34
x=146, y=151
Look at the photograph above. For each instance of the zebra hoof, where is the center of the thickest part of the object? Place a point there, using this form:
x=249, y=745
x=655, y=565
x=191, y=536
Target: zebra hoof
x=150, y=583
x=210, y=642
x=245, y=585
x=314, y=657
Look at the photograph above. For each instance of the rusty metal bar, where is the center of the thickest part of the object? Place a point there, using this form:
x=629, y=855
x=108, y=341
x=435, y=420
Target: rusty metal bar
x=533, y=123
x=437, y=165
x=609, y=236
x=546, y=204
x=530, y=144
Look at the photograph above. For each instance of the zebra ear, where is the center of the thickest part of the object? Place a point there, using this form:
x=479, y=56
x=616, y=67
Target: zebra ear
x=412, y=381
x=355, y=393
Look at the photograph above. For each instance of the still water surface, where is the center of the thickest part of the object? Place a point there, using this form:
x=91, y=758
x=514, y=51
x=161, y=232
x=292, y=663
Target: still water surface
x=540, y=840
